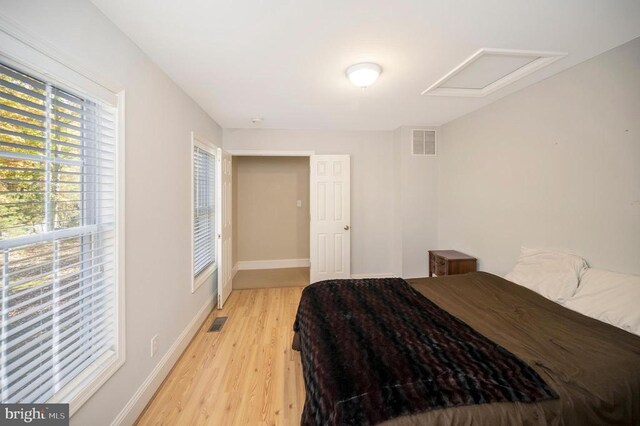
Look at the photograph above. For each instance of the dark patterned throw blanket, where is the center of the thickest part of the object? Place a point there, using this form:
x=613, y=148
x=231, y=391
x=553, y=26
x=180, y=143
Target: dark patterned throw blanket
x=376, y=349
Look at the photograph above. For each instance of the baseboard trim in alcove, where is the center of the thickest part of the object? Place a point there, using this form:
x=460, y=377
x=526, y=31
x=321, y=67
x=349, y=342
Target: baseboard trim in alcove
x=273, y=264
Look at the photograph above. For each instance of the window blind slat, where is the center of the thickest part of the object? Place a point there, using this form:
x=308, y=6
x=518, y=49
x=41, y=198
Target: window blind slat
x=22, y=77
x=21, y=101
x=24, y=137
x=41, y=295
x=33, y=363
x=103, y=115
x=25, y=147
x=88, y=120
x=60, y=234
x=43, y=151
x=25, y=325
x=45, y=335
x=95, y=351
x=57, y=299
x=10, y=109
x=37, y=159
x=48, y=334
x=43, y=378
x=12, y=87
x=39, y=128
x=50, y=392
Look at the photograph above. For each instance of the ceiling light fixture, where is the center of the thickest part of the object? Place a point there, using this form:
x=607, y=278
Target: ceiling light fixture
x=364, y=74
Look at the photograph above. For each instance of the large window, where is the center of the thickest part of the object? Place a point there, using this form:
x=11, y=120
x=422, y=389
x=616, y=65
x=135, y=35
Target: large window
x=58, y=256
x=204, y=224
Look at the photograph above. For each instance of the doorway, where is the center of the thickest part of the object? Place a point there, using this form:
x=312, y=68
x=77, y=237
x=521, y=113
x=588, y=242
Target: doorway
x=270, y=219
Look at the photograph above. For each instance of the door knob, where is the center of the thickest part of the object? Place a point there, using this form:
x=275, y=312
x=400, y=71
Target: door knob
x=346, y=227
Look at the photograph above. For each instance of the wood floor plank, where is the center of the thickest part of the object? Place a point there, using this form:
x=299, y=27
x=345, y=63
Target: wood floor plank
x=246, y=374
x=271, y=278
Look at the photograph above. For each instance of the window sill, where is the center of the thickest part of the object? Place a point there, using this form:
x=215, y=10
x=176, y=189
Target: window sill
x=203, y=277
x=79, y=390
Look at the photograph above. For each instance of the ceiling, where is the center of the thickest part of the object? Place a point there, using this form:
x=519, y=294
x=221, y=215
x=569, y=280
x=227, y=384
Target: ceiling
x=285, y=60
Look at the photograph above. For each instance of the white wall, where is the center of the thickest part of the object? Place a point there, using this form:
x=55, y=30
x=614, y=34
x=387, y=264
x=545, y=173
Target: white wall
x=418, y=204
x=159, y=119
x=554, y=165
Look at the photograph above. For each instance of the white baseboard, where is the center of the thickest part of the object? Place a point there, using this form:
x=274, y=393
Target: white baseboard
x=273, y=264
x=145, y=392
x=360, y=276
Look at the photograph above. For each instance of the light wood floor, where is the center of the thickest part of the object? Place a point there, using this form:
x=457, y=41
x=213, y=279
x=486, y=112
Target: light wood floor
x=247, y=374
x=271, y=278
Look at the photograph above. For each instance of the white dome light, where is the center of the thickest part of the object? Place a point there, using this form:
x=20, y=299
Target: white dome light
x=364, y=74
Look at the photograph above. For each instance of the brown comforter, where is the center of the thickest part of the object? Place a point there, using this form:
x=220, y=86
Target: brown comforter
x=592, y=366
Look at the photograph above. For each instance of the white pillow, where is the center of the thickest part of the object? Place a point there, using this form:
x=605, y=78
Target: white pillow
x=609, y=297
x=553, y=274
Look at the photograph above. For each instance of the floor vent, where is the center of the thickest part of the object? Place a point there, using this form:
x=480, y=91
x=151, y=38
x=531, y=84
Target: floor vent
x=217, y=324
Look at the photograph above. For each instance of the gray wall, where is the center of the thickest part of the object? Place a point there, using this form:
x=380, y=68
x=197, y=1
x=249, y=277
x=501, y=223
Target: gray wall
x=159, y=119
x=555, y=165
x=417, y=204
x=268, y=224
x=372, y=180
x=393, y=194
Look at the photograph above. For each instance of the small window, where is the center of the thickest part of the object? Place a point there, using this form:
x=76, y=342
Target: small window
x=59, y=241
x=204, y=223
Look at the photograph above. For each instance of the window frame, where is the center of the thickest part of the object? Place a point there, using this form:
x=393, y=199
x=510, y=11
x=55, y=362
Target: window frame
x=41, y=60
x=203, y=276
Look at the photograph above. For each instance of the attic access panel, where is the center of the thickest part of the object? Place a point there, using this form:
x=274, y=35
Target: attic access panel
x=488, y=70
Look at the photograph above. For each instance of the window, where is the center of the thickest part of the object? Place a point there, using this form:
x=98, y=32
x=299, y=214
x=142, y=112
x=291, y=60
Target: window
x=204, y=225
x=59, y=295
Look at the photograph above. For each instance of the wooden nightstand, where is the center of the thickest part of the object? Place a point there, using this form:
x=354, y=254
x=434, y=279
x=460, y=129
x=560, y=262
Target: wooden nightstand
x=450, y=262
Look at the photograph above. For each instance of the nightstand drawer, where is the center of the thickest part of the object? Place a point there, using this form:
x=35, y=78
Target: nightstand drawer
x=450, y=262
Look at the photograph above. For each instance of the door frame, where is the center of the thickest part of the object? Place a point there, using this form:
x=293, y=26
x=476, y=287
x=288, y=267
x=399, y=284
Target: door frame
x=270, y=153
x=220, y=235
x=267, y=153
x=273, y=153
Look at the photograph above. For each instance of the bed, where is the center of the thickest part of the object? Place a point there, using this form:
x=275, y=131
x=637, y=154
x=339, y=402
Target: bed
x=591, y=368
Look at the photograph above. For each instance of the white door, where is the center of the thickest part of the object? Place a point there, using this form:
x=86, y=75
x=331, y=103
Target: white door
x=330, y=190
x=224, y=236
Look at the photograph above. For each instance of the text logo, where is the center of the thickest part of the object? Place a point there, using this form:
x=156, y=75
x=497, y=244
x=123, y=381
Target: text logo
x=34, y=414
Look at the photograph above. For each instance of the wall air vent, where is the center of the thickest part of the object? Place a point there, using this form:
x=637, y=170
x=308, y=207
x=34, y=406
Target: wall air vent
x=423, y=142
x=488, y=70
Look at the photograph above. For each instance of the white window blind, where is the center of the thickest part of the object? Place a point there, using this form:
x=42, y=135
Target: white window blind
x=57, y=238
x=203, y=209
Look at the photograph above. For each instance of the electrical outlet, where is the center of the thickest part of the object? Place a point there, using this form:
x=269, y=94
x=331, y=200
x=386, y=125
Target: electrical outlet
x=299, y=203
x=154, y=345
